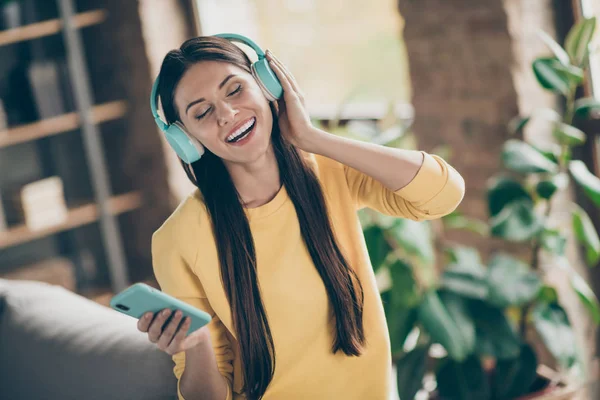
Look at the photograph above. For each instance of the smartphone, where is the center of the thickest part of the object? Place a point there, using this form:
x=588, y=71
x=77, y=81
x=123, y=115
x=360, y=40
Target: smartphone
x=140, y=298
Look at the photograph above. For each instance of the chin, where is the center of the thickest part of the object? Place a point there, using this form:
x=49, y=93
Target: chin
x=250, y=153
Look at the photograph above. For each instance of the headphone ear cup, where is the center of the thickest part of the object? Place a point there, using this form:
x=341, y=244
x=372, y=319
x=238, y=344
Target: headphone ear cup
x=267, y=80
x=183, y=145
x=195, y=142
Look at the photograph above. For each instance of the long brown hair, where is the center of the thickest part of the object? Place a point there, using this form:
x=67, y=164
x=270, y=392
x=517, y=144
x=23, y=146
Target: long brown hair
x=237, y=255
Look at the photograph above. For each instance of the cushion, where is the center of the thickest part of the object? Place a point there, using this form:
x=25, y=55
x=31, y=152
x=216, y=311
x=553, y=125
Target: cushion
x=55, y=344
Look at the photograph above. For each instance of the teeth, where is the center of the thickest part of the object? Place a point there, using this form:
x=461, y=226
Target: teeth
x=240, y=130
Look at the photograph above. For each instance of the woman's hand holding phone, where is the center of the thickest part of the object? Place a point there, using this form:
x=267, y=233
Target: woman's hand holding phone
x=169, y=334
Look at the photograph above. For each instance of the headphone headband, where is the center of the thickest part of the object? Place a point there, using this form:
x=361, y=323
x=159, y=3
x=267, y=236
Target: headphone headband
x=154, y=106
x=234, y=37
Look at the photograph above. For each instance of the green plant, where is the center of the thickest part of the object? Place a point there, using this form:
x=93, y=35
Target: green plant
x=522, y=204
x=467, y=323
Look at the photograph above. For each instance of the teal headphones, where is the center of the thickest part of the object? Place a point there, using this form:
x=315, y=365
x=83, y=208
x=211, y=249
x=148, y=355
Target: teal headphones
x=191, y=150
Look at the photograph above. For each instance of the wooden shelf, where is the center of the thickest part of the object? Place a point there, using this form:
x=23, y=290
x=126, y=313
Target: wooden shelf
x=78, y=216
x=50, y=27
x=100, y=295
x=54, y=271
x=62, y=123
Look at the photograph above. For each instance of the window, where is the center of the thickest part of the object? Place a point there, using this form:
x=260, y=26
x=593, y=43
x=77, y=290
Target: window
x=341, y=52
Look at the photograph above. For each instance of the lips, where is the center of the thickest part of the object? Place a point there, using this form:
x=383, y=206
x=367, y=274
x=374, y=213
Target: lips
x=238, y=126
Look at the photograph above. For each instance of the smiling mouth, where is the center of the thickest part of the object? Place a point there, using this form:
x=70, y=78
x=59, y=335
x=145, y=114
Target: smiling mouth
x=244, y=133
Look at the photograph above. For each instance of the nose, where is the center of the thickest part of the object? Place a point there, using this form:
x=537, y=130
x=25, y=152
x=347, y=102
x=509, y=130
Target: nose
x=225, y=114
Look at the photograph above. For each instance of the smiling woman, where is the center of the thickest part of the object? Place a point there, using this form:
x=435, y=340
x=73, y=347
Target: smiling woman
x=213, y=100
x=269, y=244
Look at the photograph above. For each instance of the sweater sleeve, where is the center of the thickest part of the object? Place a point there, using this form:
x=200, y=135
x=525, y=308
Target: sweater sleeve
x=177, y=279
x=435, y=191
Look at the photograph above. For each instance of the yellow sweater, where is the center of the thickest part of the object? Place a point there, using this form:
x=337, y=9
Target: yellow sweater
x=186, y=266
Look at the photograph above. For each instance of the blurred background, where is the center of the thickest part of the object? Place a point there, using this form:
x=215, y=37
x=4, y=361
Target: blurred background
x=504, y=90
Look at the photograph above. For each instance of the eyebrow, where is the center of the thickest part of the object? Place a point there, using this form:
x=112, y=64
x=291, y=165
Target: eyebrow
x=200, y=100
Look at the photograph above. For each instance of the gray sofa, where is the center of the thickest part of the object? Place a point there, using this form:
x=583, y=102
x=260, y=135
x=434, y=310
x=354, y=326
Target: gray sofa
x=55, y=344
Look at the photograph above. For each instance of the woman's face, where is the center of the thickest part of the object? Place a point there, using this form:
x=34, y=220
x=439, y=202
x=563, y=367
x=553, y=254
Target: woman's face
x=222, y=106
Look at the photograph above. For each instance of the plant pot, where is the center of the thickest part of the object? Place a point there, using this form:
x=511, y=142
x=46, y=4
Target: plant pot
x=10, y=14
x=544, y=388
x=559, y=391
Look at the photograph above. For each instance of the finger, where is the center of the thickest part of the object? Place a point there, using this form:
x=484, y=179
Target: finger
x=287, y=73
x=144, y=322
x=157, y=325
x=285, y=70
x=170, y=331
x=288, y=90
x=175, y=344
x=274, y=61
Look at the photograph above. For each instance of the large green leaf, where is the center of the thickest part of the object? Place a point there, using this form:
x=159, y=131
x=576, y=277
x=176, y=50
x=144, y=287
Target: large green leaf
x=495, y=335
x=404, y=291
x=464, y=255
x=586, y=235
x=514, y=377
x=551, y=151
x=581, y=288
x=400, y=322
x=518, y=123
x=553, y=75
x=586, y=106
x=410, y=372
x=556, y=48
x=457, y=307
x=464, y=283
x=511, y=281
x=578, y=40
x=553, y=326
x=547, y=188
x=548, y=294
x=465, y=275
x=463, y=380
x=586, y=296
x=588, y=181
x=415, y=238
x=568, y=135
x=553, y=241
x=517, y=222
x=523, y=158
x=440, y=326
x=456, y=220
x=377, y=245
x=503, y=190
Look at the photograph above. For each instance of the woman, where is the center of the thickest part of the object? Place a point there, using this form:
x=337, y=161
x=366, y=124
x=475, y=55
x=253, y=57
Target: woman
x=270, y=244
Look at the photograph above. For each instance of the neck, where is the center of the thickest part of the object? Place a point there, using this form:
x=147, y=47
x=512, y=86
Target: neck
x=257, y=182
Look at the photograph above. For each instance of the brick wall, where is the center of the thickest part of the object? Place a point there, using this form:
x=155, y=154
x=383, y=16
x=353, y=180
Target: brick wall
x=460, y=56
x=470, y=63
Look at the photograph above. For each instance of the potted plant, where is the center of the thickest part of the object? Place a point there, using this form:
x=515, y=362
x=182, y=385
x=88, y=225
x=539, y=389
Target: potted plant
x=464, y=331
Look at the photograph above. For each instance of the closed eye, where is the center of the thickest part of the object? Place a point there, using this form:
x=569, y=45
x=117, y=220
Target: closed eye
x=237, y=90
x=199, y=117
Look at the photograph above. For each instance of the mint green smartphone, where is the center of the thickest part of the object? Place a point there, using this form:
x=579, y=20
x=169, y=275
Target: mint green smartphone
x=140, y=298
